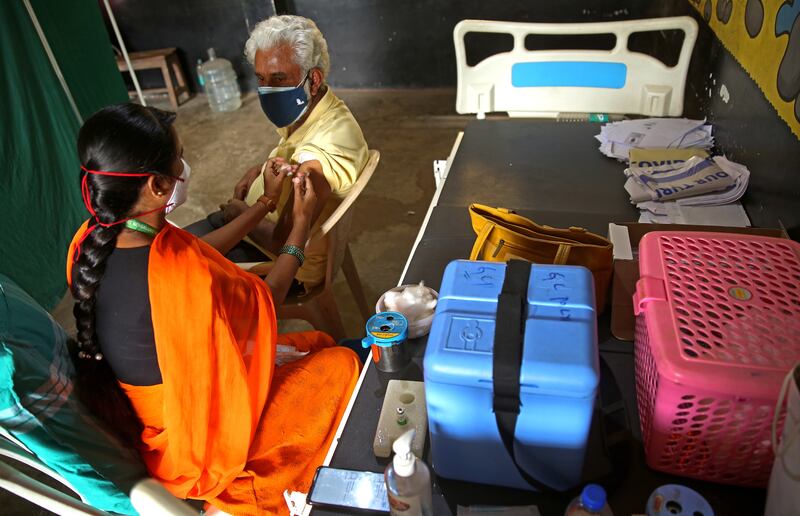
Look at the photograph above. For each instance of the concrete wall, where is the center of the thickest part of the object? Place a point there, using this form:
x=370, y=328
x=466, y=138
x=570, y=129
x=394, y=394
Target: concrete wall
x=378, y=43
x=373, y=43
x=747, y=128
x=192, y=26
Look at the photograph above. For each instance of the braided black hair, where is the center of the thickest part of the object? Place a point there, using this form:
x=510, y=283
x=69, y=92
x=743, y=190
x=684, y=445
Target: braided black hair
x=120, y=138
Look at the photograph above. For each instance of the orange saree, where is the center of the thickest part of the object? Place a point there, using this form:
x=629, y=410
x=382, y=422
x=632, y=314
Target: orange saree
x=226, y=425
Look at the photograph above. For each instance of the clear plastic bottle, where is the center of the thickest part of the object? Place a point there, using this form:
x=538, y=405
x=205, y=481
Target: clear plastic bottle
x=591, y=502
x=408, y=481
x=220, y=84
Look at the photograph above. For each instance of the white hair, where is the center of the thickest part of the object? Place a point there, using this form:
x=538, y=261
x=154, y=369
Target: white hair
x=302, y=34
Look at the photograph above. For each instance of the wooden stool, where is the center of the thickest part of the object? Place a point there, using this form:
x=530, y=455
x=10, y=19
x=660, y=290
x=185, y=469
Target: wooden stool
x=164, y=59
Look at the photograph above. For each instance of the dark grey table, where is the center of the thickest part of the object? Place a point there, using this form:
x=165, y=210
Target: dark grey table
x=551, y=168
x=553, y=173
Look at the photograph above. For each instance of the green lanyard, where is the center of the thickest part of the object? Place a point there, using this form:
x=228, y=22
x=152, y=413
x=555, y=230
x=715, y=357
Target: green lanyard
x=141, y=227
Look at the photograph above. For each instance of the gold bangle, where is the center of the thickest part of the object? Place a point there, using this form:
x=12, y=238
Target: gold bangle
x=268, y=203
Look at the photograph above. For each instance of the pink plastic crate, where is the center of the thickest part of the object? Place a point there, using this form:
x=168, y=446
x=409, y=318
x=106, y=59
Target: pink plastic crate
x=717, y=329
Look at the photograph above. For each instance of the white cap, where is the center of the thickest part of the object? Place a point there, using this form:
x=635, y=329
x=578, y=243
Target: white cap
x=403, y=461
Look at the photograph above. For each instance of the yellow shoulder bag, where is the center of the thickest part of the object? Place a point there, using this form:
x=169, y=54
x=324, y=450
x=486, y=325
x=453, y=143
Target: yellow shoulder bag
x=503, y=235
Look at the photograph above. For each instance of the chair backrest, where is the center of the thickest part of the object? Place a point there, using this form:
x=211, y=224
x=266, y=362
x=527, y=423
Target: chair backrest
x=544, y=83
x=352, y=195
x=147, y=496
x=25, y=486
x=337, y=226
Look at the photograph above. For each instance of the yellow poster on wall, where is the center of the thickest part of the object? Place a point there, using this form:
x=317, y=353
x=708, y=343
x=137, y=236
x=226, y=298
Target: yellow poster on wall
x=764, y=36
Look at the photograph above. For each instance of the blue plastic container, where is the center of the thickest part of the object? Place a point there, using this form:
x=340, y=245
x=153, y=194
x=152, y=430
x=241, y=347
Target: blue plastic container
x=559, y=376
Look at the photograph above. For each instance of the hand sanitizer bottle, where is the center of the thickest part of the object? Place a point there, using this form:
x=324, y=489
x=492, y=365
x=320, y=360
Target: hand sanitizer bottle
x=408, y=481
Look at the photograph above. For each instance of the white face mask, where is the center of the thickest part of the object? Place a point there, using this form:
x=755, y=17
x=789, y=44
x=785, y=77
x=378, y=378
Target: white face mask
x=181, y=191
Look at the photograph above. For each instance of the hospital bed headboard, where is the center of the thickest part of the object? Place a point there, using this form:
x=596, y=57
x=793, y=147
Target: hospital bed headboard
x=542, y=83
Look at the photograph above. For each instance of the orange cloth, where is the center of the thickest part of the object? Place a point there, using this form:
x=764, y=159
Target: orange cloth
x=226, y=425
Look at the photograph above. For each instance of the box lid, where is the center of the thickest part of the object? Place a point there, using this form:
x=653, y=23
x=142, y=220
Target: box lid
x=721, y=307
x=560, y=350
x=626, y=237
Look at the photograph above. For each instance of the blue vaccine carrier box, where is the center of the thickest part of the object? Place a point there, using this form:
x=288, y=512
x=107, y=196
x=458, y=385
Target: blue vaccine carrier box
x=559, y=376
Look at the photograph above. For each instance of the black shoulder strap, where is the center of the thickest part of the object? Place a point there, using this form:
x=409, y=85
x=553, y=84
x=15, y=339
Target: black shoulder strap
x=509, y=334
x=615, y=427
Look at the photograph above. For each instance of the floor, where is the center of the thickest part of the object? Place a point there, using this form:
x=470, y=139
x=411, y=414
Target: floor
x=411, y=129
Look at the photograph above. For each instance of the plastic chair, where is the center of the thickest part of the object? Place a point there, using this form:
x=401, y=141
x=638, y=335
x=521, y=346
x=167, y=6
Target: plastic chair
x=544, y=83
x=147, y=496
x=318, y=306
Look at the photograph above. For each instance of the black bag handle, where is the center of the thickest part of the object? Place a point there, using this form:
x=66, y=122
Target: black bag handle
x=509, y=336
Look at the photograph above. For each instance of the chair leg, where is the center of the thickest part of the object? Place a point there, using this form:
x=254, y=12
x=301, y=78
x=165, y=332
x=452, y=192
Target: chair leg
x=310, y=312
x=330, y=318
x=354, y=282
x=173, y=99
x=321, y=312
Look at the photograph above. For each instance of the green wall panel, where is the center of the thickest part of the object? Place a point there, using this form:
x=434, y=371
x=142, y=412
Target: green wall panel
x=40, y=204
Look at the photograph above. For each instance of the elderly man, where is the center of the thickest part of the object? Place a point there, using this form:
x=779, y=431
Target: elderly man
x=319, y=137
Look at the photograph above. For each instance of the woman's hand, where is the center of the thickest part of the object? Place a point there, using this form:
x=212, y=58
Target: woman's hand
x=305, y=200
x=275, y=172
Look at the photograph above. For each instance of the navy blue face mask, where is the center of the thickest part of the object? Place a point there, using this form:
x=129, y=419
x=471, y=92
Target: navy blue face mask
x=283, y=105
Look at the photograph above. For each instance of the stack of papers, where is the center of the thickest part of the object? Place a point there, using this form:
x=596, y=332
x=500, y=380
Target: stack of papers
x=618, y=138
x=696, y=191
x=694, y=182
x=732, y=215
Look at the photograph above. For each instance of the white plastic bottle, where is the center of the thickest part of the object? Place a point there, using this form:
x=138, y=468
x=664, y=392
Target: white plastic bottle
x=220, y=84
x=408, y=481
x=591, y=502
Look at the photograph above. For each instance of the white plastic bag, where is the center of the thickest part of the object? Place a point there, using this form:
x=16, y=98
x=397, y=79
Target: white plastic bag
x=783, y=495
x=286, y=354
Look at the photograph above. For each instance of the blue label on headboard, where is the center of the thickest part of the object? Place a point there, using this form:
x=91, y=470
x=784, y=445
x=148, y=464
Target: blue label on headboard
x=586, y=74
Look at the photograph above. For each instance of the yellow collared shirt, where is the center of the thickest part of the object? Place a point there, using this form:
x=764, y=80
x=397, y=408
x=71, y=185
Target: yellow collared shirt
x=332, y=136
